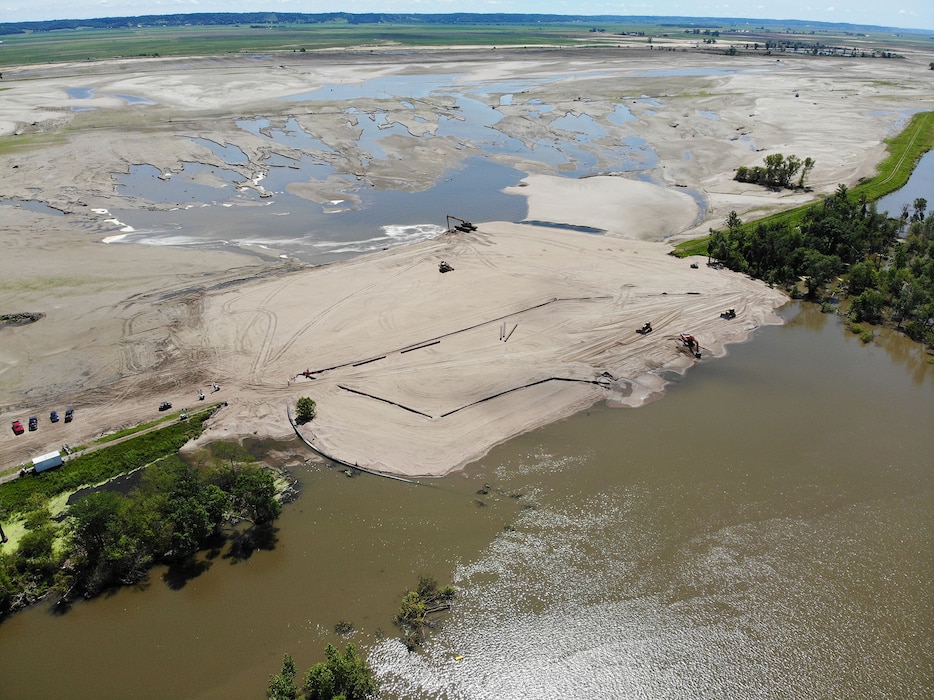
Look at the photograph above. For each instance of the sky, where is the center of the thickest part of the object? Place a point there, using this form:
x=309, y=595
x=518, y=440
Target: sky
x=900, y=13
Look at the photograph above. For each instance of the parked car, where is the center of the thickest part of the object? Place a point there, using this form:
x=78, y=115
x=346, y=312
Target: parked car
x=53, y=416
x=165, y=406
x=69, y=414
x=33, y=422
x=18, y=428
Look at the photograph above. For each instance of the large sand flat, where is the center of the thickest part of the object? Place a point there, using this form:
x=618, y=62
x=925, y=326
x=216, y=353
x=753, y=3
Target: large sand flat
x=128, y=326
x=418, y=372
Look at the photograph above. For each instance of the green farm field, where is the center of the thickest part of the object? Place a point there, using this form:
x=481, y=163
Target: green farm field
x=88, y=43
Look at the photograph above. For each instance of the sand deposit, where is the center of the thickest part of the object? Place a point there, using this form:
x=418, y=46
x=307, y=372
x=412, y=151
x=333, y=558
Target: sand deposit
x=409, y=366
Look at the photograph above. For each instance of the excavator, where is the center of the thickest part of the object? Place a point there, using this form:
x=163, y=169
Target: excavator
x=690, y=342
x=464, y=226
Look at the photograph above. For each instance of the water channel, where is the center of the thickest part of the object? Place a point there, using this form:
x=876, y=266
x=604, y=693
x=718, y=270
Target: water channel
x=920, y=186
x=229, y=201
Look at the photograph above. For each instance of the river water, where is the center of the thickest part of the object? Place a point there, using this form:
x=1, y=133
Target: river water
x=920, y=186
x=764, y=531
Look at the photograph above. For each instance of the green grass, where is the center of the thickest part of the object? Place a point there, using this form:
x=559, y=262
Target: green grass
x=102, y=464
x=84, y=44
x=96, y=44
x=136, y=429
x=905, y=149
x=38, y=284
x=26, y=142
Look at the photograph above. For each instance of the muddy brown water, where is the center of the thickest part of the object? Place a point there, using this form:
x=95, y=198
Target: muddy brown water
x=763, y=531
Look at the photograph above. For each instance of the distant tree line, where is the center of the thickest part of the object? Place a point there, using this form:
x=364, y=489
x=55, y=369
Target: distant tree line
x=108, y=539
x=267, y=18
x=885, y=278
x=284, y=18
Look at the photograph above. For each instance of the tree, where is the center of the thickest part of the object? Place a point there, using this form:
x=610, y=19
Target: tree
x=190, y=509
x=789, y=170
x=93, y=522
x=733, y=222
x=344, y=675
x=774, y=166
x=868, y=306
x=254, y=495
x=806, y=169
x=777, y=172
x=305, y=410
x=411, y=613
x=112, y=540
x=862, y=276
x=282, y=685
x=920, y=205
x=819, y=269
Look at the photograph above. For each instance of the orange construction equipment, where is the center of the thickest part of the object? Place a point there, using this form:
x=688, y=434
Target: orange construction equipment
x=690, y=342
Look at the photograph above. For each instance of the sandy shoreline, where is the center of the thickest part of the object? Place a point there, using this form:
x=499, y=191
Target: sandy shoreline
x=127, y=326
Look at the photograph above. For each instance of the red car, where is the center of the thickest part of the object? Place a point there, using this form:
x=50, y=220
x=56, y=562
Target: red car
x=18, y=428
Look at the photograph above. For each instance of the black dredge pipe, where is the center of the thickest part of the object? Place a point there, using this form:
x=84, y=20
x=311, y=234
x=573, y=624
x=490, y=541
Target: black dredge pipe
x=288, y=412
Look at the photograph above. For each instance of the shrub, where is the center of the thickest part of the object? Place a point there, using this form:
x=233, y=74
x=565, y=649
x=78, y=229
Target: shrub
x=305, y=410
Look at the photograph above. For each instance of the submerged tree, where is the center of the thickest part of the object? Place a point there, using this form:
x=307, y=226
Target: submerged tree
x=417, y=605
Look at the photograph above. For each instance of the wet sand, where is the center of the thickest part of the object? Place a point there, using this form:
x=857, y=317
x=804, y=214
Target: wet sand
x=126, y=327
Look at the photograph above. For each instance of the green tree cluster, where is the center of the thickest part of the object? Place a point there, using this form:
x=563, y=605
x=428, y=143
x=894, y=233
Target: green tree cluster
x=887, y=278
x=778, y=172
x=417, y=605
x=108, y=539
x=343, y=675
x=25, y=575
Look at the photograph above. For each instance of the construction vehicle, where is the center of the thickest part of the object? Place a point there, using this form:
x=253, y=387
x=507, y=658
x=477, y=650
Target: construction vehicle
x=646, y=329
x=728, y=314
x=444, y=267
x=690, y=342
x=464, y=226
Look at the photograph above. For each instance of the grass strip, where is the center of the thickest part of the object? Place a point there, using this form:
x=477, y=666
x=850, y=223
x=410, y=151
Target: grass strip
x=135, y=429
